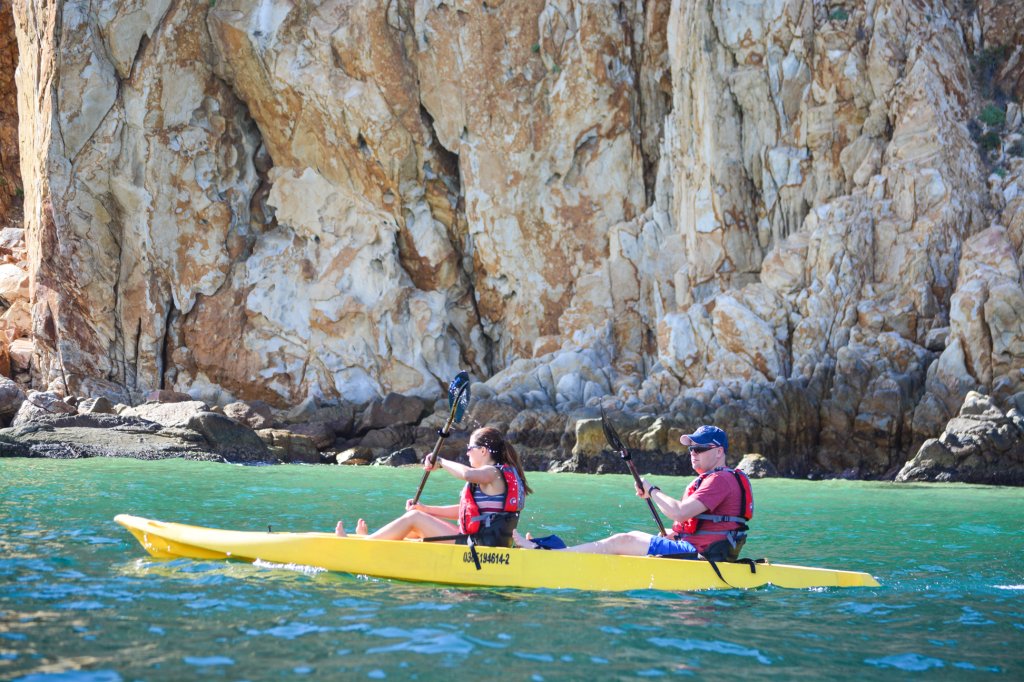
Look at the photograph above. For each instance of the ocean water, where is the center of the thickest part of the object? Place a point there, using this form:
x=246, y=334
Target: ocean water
x=80, y=600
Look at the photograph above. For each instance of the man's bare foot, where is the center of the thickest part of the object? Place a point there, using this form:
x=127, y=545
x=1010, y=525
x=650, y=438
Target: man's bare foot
x=339, y=530
x=520, y=541
x=361, y=528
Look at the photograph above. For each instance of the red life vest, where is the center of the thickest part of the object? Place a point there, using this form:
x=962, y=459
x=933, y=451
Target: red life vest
x=689, y=527
x=469, y=513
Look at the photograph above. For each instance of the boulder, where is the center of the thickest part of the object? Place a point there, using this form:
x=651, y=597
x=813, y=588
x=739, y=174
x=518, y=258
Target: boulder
x=235, y=442
x=398, y=458
x=167, y=413
x=757, y=466
x=393, y=410
x=358, y=456
x=38, y=404
x=18, y=319
x=167, y=396
x=99, y=405
x=537, y=429
x=590, y=438
x=255, y=414
x=339, y=418
x=13, y=282
x=321, y=434
x=656, y=437
x=21, y=351
x=183, y=434
x=387, y=438
x=12, y=242
x=290, y=447
x=487, y=412
x=11, y=398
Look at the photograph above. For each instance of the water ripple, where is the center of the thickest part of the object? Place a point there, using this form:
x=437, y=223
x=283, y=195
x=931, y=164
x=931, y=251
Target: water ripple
x=72, y=676
x=909, y=662
x=427, y=641
x=973, y=617
x=712, y=646
x=206, y=661
x=875, y=609
x=291, y=630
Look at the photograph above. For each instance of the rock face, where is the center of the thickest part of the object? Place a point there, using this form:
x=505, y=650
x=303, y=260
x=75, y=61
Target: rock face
x=10, y=175
x=801, y=221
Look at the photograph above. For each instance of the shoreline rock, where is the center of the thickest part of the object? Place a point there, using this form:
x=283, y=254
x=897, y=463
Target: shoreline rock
x=982, y=444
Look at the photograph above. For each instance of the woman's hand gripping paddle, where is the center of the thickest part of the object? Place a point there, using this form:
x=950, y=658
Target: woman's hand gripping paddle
x=616, y=443
x=458, y=400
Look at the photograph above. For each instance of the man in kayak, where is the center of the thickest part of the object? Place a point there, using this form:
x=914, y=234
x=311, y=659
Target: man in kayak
x=488, y=511
x=710, y=519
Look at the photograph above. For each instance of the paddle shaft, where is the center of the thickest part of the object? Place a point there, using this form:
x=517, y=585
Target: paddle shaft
x=441, y=435
x=640, y=485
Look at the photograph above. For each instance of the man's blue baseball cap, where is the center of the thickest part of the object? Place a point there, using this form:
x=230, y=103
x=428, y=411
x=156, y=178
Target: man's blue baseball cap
x=706, y=435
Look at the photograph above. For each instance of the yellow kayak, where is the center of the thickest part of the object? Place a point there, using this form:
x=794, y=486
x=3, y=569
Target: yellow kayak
x=455, y=565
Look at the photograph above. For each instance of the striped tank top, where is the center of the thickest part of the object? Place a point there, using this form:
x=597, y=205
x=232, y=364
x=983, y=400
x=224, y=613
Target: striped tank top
x=488, y=504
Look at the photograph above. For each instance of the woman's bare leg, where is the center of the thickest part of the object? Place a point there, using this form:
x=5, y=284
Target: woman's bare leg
x=411, y=524
x=633, y=543
x=414, y=524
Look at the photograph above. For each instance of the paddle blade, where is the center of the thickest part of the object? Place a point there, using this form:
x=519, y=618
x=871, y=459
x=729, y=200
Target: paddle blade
x=610, y=435
x=458, y=395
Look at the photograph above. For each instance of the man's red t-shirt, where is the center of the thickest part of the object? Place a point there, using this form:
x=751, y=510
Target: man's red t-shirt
x=720, y=493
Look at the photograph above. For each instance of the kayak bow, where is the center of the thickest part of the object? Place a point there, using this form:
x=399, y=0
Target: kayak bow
x=454, y=565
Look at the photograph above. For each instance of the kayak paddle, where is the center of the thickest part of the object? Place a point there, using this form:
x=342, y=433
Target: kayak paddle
x=458, y=400
x=616, y=443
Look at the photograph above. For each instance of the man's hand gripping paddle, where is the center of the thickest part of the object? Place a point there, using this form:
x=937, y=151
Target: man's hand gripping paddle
x=458, y=400
x=616, y=443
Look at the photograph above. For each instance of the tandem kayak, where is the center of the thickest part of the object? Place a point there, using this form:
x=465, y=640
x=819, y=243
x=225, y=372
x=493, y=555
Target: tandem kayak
x=455, y=565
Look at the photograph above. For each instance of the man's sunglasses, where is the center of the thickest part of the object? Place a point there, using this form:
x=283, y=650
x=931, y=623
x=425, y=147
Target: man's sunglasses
x=696, y=449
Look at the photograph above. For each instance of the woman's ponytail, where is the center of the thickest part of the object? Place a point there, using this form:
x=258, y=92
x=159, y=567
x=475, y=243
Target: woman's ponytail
x=501, y=450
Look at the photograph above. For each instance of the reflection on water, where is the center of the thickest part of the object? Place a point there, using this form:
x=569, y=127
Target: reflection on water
x=79, y=600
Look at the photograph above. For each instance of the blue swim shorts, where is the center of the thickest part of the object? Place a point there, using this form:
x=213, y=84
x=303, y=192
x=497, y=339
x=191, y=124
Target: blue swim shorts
x=660, y=546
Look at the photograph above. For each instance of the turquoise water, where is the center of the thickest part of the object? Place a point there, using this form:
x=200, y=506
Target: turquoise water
x=79, y=599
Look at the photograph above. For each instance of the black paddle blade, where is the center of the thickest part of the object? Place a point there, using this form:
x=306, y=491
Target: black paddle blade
x=458, y=395
x=610, y=435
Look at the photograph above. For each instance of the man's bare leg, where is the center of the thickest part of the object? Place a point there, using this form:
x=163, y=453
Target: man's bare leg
x=633, y=543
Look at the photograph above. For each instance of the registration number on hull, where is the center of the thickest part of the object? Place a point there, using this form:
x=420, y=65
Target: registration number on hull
x=486, y=557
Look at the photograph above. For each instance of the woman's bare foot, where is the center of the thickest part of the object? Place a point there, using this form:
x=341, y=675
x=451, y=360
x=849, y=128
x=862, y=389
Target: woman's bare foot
x=524, y=543
x=361, y=529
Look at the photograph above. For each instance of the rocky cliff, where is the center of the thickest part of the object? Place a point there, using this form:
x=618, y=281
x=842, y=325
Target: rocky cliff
x=802, y=220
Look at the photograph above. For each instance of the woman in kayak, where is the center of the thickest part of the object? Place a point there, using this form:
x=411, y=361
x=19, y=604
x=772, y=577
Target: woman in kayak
x=491, y=500
x=710, y=519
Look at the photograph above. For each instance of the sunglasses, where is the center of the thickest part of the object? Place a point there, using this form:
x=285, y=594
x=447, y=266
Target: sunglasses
x=472, y=447
x=697, y=449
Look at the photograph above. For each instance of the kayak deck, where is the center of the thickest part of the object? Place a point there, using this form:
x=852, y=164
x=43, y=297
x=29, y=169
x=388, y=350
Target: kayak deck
x=454, y=565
